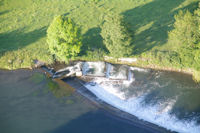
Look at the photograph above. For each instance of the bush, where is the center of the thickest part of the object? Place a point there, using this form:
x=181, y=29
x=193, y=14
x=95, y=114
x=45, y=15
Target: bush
x=64, y=38
x=116, y=37
x=196, y=76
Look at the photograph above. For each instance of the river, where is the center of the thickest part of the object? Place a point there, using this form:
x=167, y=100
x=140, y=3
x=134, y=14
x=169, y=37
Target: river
x=31, y=102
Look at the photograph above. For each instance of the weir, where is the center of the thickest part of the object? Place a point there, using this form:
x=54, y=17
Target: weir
x=94, y=69
x=108, y=68
x=85, y=69
x=130, y=74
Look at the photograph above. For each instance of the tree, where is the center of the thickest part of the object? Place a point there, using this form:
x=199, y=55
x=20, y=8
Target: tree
x=186, y=31
x=116, y=36
x=197, y=16
x=64, y=38
x=185, y=38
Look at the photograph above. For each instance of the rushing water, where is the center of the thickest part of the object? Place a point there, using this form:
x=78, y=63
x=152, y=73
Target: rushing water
x=168, y=99
x=32, y=103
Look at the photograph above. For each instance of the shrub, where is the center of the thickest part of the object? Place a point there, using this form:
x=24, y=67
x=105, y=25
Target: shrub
x=196, y=76
x=64, y=38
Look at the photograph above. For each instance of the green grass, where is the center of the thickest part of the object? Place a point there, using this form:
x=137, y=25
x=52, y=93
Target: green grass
x=23, y=25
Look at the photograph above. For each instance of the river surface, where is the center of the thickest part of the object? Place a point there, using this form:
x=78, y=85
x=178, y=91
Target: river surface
x=168, y=99
x=32, y=103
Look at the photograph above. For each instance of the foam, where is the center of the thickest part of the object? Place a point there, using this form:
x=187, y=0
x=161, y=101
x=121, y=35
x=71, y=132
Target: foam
x=139, y=69
x=98, y=66
x=121, y=73
x=158, y=114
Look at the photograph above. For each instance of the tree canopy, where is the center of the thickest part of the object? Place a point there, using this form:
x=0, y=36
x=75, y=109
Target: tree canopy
x=116, y=36
x=64, y=38
x=186, y=31
x=185, y=38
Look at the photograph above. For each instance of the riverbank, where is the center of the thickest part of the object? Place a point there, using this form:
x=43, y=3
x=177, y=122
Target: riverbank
x=134, y=62
x=143, y=63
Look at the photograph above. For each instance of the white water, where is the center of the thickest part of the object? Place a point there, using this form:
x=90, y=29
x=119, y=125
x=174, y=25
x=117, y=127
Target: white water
x=139, y=69
x=72, y=70
x=158, y=114
x=118, y=72
x=108, y=68
x=93, y=68
x=130, y=75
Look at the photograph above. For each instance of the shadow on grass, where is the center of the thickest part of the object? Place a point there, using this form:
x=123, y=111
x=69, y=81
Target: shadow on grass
x=92, y=41
x=2, y=17
x=4, y=12
x=19, y=39
x=152, y=22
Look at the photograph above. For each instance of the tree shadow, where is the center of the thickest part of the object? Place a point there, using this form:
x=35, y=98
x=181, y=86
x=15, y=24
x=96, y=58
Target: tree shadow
x=4, y=12
x=2, y=18
x=151, y=22
x=19, y=38
x=92, y=41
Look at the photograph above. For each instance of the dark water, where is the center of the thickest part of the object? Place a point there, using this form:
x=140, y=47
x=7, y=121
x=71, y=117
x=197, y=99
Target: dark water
x=32, y=103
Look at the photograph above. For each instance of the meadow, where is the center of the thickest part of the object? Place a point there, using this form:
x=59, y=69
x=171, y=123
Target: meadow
x=23, y=25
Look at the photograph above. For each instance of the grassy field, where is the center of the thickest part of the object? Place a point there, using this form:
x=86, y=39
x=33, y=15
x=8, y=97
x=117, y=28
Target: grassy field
x=23, y=25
